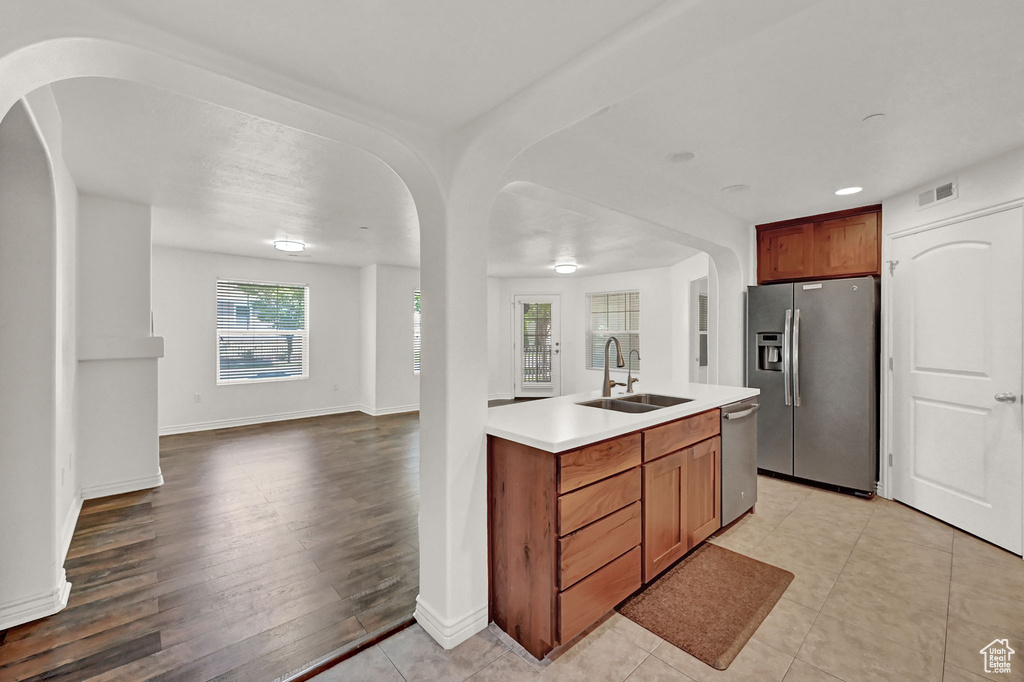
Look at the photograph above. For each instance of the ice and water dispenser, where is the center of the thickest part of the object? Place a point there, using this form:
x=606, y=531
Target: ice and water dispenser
x=769, y=351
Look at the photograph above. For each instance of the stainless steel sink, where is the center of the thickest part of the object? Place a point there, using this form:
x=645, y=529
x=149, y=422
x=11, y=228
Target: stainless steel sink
x=620, y=405
x=655, y=399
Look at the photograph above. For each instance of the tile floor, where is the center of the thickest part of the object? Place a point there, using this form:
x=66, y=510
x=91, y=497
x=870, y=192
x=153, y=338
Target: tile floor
x=881, y=593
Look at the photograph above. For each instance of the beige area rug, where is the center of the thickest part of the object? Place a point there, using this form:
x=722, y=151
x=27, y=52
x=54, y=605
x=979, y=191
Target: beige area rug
x=710, y=603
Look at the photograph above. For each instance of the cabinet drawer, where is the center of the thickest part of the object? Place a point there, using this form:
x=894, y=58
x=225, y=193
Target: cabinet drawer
x=667, y=438
x=589, y=504
x=594, y=462
x=597, y=594
x=590, y=548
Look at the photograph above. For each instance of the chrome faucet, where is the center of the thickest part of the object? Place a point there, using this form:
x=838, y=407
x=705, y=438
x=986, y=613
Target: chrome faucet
x=630, y=379
x=609, y=384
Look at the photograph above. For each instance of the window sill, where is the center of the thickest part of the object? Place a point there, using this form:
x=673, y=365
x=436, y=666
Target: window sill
x=266, y=380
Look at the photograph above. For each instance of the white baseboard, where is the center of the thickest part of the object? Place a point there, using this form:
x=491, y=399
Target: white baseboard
x=500, y=396
x=37, y=606
x=261, y=419
x=388, y=410
x=449, y=635
x=68, y=529
x=93, y=491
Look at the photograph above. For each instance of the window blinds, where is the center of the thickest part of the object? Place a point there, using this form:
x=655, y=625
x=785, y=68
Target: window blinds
x=612, y=314
x=262, y=331
x=416, y=343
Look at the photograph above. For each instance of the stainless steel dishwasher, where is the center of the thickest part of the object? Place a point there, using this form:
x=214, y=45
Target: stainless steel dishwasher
x=739, y=458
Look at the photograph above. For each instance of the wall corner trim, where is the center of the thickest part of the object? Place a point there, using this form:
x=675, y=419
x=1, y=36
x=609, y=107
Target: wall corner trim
x=449, y=635
x=38, y=606
x=68, y=530
x=373, y=412
x=118, y=487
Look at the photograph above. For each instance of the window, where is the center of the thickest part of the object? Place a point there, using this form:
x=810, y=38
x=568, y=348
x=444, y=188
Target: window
x=262, y=331
x=416, y=331
x=614, y=314
x=702, y=329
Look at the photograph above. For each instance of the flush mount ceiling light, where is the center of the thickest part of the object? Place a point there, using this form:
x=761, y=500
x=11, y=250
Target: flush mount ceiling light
x=289, y=245
x=565, y=268
x=735, y=189
x=848, y=190
x=682, y=157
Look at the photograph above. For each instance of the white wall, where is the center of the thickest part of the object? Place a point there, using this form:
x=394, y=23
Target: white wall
x=397, y=385
x=184, y=313
x=683, y=275
x=117, y=407
x=983, y=185
x=368, y=336
x=32, y=582
x=663, y=323
x=44, y=109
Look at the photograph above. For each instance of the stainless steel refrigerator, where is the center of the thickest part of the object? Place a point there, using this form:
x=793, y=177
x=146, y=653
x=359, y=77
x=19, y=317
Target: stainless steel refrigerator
x=812, y=349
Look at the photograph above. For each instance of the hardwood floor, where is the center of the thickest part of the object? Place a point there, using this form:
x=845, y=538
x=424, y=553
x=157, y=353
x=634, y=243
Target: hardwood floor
x=267, y=547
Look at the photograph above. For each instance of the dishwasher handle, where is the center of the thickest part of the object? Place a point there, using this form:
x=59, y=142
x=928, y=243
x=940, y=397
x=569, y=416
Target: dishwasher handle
x=743, y=413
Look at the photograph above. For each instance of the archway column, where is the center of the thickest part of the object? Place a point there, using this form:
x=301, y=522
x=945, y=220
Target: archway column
x=452, y=604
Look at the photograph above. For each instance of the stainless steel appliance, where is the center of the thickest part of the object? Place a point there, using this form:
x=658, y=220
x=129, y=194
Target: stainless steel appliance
x=739, y=458
x=812, y=349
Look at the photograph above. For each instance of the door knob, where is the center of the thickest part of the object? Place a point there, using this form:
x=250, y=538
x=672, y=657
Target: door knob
x=1006, y=397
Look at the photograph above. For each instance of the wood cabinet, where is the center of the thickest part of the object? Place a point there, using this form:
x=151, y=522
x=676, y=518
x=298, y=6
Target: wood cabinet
x=785, y=253
x=846, y=247
x=572, y=534
x=841, y=244
x=682, y=503
x=665, y=506
x=703, y=490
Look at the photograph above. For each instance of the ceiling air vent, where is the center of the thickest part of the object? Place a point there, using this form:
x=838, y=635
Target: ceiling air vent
x=939, y=194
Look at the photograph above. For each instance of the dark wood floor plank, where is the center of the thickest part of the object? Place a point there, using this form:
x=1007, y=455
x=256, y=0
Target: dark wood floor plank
x=267, y=547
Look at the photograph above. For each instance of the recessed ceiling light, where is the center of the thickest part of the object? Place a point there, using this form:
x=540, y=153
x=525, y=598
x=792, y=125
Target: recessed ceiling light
x=848, y=190
x=289, y=245
x=363, y=227
x=735, y=189
x=565, y=268
x=873, y=118
x=682, y=157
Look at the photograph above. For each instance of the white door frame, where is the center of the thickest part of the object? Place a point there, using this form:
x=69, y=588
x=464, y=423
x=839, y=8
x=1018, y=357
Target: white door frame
x=693, y=370
x=885, y=432
x=556, y=359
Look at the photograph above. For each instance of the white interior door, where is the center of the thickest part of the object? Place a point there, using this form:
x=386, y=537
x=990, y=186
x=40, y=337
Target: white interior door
x=536, y=347
x=956, y=392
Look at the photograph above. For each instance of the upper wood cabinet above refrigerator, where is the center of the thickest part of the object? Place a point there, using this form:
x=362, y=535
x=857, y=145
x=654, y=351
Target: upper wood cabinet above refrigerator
x=841, y=244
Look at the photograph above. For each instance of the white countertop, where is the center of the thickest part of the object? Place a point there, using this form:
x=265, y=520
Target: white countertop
x=558, y=424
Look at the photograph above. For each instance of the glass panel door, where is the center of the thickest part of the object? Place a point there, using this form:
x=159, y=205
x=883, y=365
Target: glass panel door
x=536, y=347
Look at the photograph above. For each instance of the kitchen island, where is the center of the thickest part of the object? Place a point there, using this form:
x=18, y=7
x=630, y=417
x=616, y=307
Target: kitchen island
x=586, y=505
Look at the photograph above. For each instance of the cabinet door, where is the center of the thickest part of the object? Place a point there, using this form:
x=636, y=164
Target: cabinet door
x=847, y=246
x=665, y=529
x=703, y=490
x=785, y=253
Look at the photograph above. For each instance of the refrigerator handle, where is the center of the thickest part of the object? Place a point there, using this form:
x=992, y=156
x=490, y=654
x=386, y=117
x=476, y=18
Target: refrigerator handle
x=785, y=356
x=796, y=357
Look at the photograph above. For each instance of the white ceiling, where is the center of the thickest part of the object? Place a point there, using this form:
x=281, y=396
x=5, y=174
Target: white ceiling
x=528, y=236
x=782, y=112
x=439, y=63
x=223, y=181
